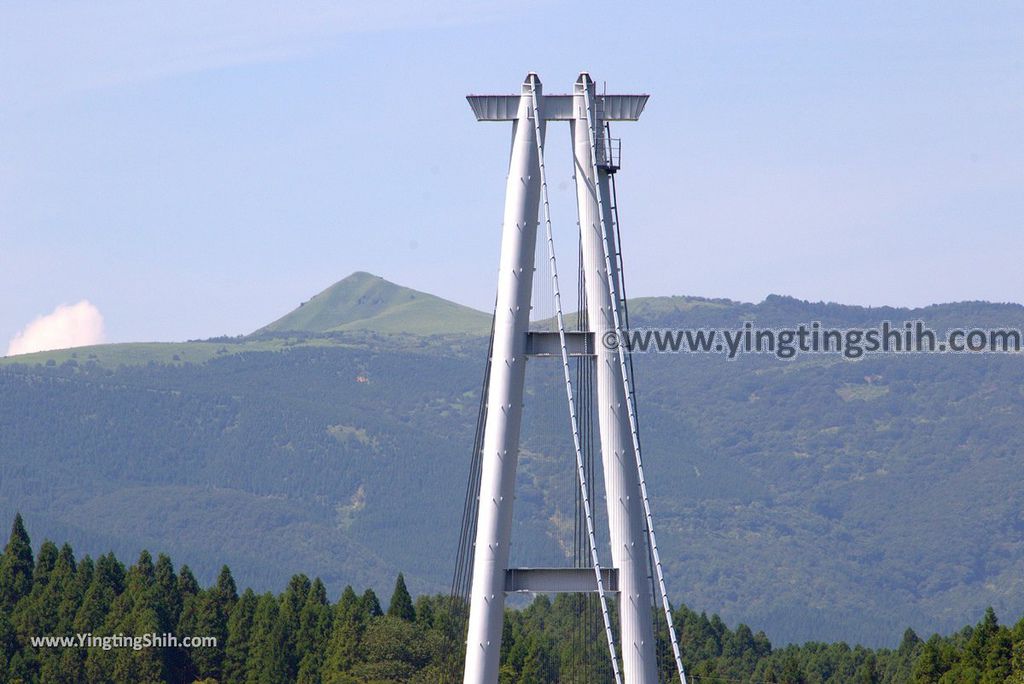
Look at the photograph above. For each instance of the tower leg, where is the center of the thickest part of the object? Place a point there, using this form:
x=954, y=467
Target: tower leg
x=504, y=400
x=622, y=488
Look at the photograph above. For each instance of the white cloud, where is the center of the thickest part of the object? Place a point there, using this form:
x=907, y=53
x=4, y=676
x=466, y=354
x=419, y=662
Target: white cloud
x=68, y=326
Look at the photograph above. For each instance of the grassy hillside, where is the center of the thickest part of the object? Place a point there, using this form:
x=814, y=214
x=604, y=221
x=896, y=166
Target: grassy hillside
x=367, y=302
x=820, y=497
x=358, y=310
x=135, y=353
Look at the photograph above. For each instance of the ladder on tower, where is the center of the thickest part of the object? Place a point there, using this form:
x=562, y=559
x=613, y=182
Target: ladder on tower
x=598, y=129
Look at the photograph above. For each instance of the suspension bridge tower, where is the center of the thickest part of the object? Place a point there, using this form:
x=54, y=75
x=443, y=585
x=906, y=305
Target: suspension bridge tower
x=633, y=571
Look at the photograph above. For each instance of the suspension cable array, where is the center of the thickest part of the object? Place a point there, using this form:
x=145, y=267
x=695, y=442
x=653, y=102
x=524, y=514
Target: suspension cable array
x=585, y=635
x=605, y=238
x=458, y=597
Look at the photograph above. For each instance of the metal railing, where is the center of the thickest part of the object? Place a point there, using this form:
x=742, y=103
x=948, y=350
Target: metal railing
x=609, y=153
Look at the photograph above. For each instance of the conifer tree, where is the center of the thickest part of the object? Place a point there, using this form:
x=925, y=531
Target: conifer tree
x=132, y=612
x=84, y=573
x=314, y=621
x=999, y=659
x=401, y=603
x=136, y=613
x=343, y=648
x=67, y=590
x=107, y=583
x=1017, y=662
x=931, y=663
x=203, y=616
x=16, y=566
x=371, y=605
x=168, y=596
x=21, y=668
x=45, y=562
x=310, y=668
x=268, y=655
x=292, y=601
x=8, y=643
x=227, y=592
x=70, y=667
x=977, y=648
x=236, y=649
x=187, y=584
x=66, y=667
x=314, y=632
x=37, y=612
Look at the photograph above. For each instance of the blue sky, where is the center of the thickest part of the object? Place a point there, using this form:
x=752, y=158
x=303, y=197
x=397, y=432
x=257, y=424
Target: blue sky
x=196, y=169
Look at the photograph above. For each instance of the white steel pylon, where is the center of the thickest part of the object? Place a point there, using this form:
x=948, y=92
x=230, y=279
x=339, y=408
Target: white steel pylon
x=513, y=342
x=622, y=489
x=504, y=398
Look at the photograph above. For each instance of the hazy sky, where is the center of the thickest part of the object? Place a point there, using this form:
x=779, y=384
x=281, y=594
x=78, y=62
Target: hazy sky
x=199, y=168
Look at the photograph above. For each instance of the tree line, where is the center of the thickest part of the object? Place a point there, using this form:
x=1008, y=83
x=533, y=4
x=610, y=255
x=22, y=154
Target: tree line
x=299, y=635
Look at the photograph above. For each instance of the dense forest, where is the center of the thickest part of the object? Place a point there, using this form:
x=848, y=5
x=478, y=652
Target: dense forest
x=300, y=635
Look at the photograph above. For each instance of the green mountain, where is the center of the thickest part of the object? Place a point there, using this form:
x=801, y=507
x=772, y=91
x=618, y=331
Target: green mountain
x=820, y=497
x=367, y=302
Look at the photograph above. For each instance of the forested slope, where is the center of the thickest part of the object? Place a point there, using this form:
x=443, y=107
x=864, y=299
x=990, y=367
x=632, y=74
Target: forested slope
x=819, y=497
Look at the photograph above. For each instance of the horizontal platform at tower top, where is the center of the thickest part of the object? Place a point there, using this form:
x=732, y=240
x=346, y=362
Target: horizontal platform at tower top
x=557, y=107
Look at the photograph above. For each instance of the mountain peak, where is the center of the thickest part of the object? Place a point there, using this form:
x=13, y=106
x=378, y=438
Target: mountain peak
x=364, y=301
